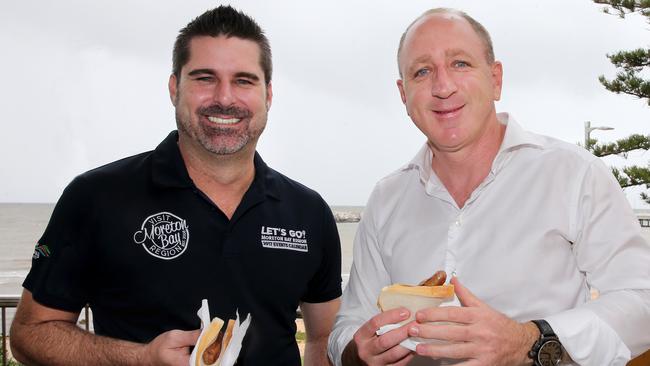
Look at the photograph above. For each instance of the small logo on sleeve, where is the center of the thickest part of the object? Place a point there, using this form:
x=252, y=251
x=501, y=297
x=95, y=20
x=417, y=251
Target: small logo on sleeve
x=279, y=238
x=41, y=251
x=163, y=235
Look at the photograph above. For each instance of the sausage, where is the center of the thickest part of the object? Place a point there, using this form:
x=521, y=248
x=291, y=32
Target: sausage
x=212, y=352
x=438, y=279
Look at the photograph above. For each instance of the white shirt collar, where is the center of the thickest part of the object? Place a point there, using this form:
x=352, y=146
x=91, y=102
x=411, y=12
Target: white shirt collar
x=514, y=138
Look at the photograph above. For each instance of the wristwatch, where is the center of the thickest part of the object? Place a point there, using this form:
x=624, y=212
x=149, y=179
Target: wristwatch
x=547, y=350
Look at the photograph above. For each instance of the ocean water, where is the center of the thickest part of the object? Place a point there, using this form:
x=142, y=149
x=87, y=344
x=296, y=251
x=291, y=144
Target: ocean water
x=22, y=224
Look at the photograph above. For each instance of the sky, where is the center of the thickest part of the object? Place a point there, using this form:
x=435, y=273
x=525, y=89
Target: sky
x=85, y=83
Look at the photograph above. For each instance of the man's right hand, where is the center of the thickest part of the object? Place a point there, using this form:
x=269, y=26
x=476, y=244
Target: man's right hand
x=367, y=348
x=171, y=348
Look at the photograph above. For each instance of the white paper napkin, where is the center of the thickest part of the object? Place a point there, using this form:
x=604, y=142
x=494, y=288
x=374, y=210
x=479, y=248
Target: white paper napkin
x=231, y=352
x=412, y=342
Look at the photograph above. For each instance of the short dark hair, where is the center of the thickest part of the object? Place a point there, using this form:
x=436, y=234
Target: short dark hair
x=480, y=30
x=223, y=20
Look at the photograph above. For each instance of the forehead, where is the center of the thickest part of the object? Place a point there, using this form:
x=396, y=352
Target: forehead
x=439, y=33
x=223, y=53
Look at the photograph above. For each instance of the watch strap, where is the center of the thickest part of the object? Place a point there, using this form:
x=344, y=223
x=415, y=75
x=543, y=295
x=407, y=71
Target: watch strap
x=544, y=328
x=546, y=334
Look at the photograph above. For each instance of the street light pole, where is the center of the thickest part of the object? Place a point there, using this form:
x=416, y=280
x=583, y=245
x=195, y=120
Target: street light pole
x=588, y=130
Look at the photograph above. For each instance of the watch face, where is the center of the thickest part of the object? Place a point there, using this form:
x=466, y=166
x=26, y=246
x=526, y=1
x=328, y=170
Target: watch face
x=550, y=354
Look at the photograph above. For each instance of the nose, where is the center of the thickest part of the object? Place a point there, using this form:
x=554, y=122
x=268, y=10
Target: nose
x=443, y=84
x=223, y=93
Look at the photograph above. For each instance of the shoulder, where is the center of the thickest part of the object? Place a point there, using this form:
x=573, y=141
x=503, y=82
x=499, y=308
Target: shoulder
x=292, y=189
x=126, y=167
x=561, y=155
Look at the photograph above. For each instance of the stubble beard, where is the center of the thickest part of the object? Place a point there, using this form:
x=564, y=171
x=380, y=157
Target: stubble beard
x=221, y=140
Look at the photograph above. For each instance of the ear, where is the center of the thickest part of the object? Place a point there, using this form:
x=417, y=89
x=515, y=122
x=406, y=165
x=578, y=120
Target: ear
x=497, y=79
x=172, y=86
x=400, y=86
x=269, y=96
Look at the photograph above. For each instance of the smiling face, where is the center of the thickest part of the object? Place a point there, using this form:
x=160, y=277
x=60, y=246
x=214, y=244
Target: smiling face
x=221, y=99
x=447, y=85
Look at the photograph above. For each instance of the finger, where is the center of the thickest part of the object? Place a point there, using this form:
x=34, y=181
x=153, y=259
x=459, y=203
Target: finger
x=444, y=332
x=405, y=360
x=392, y=316
x=390, y=340
x=453, y=314
x=184, y=338
x=465, y=296
x=394, y=355
x=456, y=351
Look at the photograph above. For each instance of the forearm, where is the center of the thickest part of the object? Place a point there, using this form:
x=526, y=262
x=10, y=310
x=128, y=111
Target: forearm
x=316, y=353
x=608, y=330
x=63, y=343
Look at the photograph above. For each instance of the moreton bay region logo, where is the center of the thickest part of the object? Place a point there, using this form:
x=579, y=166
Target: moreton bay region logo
x=279, y=238
x=163, y=235
x=41, y=251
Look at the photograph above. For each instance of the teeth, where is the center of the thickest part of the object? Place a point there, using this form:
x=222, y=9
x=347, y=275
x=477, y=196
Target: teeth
x=224, y=121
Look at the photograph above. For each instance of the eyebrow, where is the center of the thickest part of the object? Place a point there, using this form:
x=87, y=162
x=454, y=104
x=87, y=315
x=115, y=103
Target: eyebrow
x=200, y=72
x=457, y=52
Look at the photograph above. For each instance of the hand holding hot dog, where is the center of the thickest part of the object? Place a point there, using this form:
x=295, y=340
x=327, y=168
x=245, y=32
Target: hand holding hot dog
x=477, y=332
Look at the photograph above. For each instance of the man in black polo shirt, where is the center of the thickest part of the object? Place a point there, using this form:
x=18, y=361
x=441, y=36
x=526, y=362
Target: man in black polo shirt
x=144, y=239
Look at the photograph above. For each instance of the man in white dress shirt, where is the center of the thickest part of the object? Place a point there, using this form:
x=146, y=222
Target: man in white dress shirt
x=524, y=223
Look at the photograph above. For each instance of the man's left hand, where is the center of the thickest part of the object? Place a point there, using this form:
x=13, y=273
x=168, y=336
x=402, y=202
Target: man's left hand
x=477, y=334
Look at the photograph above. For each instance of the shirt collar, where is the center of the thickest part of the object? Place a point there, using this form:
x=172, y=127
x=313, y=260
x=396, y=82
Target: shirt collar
x=168, y=170
x=514, y=138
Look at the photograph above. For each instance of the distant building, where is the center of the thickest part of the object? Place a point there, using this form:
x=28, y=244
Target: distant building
x=644, y=217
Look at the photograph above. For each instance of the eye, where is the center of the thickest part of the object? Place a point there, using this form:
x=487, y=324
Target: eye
x=421, y=72
x=204, y=78
x=460, y=64
x=243, y=82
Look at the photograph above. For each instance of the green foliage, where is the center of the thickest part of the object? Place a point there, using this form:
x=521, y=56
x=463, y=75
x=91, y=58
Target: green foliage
x=631, y=64
x=300, y=336
x=10, y=362
x=624, y=7
x=620, y=147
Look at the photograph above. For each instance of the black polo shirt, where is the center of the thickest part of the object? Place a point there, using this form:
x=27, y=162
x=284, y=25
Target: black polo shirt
x=142, y=245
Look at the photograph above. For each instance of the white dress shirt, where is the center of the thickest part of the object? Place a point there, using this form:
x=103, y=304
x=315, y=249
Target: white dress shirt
x=548, y=223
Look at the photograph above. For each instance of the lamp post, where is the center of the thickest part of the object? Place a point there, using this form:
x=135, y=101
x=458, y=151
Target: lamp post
x=588, y=130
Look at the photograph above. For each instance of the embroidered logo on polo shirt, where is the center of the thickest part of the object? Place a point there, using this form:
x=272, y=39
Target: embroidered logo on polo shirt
x=41, y=251
x=279, y=238
x=163, y=235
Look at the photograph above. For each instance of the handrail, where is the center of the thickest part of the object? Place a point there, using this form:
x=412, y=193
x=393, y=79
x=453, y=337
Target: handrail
x=11, y=301
x=6, y=301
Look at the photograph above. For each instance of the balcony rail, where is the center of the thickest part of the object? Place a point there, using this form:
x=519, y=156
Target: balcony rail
x=11, y=301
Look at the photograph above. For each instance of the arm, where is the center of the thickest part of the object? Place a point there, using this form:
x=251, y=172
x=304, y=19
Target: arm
x=45, y=336
x=353, y=340
x=614, y=256
x=318, y=318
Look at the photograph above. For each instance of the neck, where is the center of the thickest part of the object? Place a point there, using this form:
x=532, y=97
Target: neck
x=462, y=171
x=223, y=178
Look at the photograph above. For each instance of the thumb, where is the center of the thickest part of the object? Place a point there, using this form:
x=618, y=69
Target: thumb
x=185, y=338
x=465, y=296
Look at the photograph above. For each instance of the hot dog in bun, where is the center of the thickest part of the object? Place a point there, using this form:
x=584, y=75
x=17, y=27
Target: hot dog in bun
x=214, y=342
x=429, y=293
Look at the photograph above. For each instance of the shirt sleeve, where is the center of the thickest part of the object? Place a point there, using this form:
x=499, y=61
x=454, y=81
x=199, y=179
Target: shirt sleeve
x=325, y=285
x=614, y=256
x=367, y=277
x=60, y=261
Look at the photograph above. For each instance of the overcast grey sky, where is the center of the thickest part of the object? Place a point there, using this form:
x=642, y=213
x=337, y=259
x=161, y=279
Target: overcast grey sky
x=85, y=83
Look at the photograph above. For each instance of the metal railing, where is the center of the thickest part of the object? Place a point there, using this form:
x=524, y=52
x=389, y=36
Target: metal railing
x=6, y=301
x=11, y=301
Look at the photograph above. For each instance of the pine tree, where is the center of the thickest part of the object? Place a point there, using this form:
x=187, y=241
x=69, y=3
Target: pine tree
x=631, y=64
